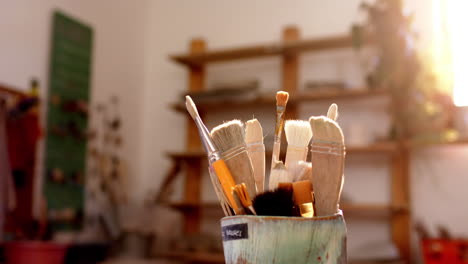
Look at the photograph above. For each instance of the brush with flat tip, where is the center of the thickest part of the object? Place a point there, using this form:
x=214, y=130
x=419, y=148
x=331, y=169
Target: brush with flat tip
x=328, y=153
x=298, y=135
x=277, y=202
x=278, y=175
x=281, y=102
x=229, y=139
x=220, y=168
x=256, y=150
x=301, y=171
x=243, y=194
x=303, y=198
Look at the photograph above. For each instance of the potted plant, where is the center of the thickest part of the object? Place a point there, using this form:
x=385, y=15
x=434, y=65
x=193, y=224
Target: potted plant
x=421, y=104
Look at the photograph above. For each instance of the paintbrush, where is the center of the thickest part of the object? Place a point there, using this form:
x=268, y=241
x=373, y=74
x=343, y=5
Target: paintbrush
x=303, y=198
x=333, y=112
x=256, y=150
x=214, y=158
x=278, y=202
x=281, y=101
x=219, y=193
x=298, y=134
x=277, y=175
x=328, y=152
x=243, y=194
x=230, y=140
x=302, y=171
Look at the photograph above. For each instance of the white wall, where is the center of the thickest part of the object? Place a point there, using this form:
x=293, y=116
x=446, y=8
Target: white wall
x=231, y=23
x=118, y=55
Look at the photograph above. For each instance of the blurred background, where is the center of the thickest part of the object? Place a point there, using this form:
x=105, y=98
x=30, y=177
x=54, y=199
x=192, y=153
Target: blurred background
x=99, y=162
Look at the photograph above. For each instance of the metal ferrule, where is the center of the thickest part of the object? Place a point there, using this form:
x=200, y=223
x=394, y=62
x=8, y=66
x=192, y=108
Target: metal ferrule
x=306, y=209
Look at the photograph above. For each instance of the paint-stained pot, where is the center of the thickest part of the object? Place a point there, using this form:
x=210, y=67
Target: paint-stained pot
x=271, y=239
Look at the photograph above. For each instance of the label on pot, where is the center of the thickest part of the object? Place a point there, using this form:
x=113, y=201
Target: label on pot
x=235, y=232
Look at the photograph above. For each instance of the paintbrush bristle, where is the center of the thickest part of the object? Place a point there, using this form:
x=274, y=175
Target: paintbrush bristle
x=282, y=98
x=274, y=203
x=333, y=112
x=191, y=108
x=228, y=135
x=298, y=133
x=302, y=171
x=253, y=132
x=278, y=174
x=327, y=130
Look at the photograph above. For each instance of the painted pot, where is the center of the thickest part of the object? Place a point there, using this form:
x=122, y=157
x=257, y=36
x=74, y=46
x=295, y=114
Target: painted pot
x=271, y=239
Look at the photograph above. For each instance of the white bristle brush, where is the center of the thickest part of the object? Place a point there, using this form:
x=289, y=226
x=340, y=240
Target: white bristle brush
x=229, y=139
x=278, y=174
x=301, y=171
x=298, y=134
x=256, y=150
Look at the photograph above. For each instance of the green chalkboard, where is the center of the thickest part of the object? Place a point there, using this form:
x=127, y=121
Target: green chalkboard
x=67, y=118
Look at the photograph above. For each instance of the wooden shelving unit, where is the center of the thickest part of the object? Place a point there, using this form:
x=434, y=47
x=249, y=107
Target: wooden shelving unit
x=289, y=49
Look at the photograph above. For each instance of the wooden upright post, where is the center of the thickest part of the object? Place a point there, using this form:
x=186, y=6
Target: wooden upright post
x=193, y=186
x=290, y=70
x=401, y=218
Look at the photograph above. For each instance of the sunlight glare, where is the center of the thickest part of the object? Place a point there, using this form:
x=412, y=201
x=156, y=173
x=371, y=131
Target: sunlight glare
x=457, y=19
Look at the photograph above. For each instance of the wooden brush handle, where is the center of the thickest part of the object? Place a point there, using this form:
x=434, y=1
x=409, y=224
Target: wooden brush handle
x=257, y=156
x=226, y=181
x=240, y=165
x=275, y=153
x=219, y=191
x=327, y=171
x=293, y=155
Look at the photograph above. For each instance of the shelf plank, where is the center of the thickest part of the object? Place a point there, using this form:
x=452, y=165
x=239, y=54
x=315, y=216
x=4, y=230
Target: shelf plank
x=12, y=90
x=302, y=97
x=389, y=147
x=266, y=50
x=418, y=144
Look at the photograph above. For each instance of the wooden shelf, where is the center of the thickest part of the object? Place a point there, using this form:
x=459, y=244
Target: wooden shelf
x=370, y=209
x=417, y=144
x=194, y=257
x=12, y=90
x=183, y=206
x=389, y=147
x=301, y=97
x=266, y=50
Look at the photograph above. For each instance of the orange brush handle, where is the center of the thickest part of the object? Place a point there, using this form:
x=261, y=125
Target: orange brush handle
x=226, y=180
